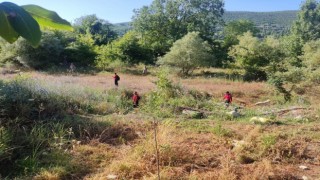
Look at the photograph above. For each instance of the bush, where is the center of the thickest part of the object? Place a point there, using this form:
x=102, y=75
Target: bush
x=46, y=55
x=126, y=49
x=168, y=99
x=188, y=53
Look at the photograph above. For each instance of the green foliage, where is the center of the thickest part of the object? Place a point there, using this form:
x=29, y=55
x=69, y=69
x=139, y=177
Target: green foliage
x=168, y=98
x=238, y=28
x=126, y=49
x=5, y=138
x=230, y=33
x=268, y=141
x=82, y=51
x=122, y=28
x=157, y=102
x=220, y=131
x=249, y=55
x=293, y=72
x=188, y=53
x=307, y=26
x=23, y=21
x=165, y=21
x=269, y=23
x=100, y=30
x=46, y=55
x=257, y=58
x=47, y=19
x=34, y=99
x=311, y=61
x=15, y=22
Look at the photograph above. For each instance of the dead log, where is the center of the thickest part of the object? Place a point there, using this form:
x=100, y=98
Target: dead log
x=187, y=110
x=282, y=111
x=267, y=102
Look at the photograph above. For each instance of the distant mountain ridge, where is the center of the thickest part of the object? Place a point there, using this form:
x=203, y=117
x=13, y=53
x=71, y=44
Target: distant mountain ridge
x=284, y=18
x=277, y=22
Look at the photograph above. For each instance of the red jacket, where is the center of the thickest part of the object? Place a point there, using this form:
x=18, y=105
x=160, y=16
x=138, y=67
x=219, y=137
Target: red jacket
x=228, y=97
x=135, y=98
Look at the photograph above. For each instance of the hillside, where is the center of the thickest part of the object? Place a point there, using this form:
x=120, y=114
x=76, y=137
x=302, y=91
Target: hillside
x=121, y=28
x=275, y=23
x=284, y=18
x=268, y=22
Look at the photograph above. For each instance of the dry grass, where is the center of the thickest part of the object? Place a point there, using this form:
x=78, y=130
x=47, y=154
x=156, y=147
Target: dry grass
x=127, y=149
x=100, y=81
x=185, y=154
x=249, y=92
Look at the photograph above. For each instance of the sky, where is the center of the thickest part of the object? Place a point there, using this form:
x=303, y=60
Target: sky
x=116, y=11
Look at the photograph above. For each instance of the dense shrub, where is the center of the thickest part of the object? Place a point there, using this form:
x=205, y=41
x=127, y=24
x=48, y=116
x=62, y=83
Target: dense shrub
x=45, y=56
x=126, y=49
x=188, y=53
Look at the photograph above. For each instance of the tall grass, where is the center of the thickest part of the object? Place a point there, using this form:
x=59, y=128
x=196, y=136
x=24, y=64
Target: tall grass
x=39, y=119
x=39, y=99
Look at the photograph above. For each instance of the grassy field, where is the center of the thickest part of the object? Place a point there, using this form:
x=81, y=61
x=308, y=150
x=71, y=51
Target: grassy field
x=82, y=127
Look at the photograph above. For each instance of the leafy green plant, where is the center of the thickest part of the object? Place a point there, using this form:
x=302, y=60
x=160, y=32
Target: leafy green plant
x=268, y=141
x=220, y=131
x=15, y=21
x=5, y=138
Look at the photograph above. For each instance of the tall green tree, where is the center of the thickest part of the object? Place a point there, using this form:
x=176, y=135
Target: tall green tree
x=256, y=57
x=237, y=28
x=230, y=34
x=307, y=26
x=311, y=62
x=165, y=21
x=188, y=53
x=101, y=30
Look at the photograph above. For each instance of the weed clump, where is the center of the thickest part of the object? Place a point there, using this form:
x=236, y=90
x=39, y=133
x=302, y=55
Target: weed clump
x=168, y=99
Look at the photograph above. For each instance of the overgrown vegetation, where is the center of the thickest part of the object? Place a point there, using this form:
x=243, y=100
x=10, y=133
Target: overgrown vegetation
x=79, y=126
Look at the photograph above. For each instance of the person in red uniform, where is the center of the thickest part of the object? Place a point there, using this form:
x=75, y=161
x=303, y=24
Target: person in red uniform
x=135, y=99
x=116, y=79
x=228, y=98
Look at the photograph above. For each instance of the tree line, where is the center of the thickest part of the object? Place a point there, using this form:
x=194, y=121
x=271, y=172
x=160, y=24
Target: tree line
x=184, y=34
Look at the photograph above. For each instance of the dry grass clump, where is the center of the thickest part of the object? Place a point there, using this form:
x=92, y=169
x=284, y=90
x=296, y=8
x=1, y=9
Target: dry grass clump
x=180, y=154
x=291, y=150
x=55, y=173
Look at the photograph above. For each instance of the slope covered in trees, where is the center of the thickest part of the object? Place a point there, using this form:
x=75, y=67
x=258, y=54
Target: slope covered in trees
x=284, y=18
x=268, y=22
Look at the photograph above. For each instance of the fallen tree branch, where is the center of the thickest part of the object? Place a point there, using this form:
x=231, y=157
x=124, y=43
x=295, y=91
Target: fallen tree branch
x=193, y=109
x=262, y=103
x=285, y=110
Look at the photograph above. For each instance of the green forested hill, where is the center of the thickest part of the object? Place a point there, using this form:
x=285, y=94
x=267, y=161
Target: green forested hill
x=121, y=28
x=277, y=22
x=269, y=23
x=284, y=18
